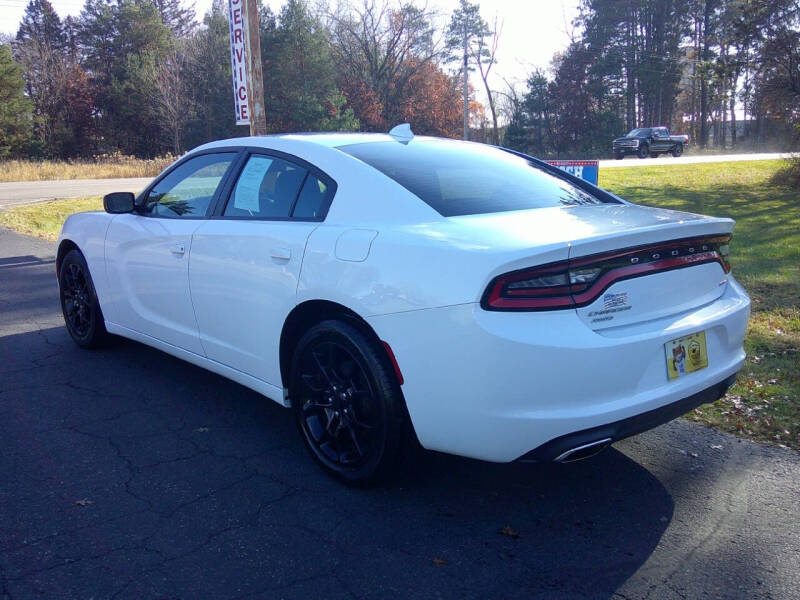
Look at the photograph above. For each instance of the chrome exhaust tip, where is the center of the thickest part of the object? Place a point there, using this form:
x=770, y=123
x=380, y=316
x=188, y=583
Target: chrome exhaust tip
x=584, y=451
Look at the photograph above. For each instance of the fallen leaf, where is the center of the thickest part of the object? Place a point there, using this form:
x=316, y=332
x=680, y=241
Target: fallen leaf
x=201, y=430
x=439, y=562
x=693, y=454
x=83, y=502
x=716, y=446
x=509, y=532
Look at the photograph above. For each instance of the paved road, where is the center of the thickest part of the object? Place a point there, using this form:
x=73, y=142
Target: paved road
x=27, y=192
x=667, y=159
x=126, y=473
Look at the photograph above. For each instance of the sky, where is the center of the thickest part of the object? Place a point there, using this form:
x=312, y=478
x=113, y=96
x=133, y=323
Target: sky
x=533, y=30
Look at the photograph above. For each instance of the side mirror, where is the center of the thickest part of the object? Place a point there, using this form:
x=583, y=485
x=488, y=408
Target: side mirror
x=118, y=203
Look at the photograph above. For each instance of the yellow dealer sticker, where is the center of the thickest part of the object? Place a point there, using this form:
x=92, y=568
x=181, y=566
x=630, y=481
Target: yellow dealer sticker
x=686, y=355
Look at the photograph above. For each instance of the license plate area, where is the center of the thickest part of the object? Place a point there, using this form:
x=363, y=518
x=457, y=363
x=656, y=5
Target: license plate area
x=686, y=354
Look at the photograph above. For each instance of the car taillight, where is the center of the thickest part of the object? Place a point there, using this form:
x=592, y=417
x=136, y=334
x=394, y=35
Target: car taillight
x=580, y=281
x=540, y=288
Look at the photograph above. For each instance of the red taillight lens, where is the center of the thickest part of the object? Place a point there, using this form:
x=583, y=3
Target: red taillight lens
x=541, y=288
x=580, y=281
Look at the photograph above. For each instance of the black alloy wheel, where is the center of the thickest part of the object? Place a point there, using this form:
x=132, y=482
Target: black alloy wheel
x=619, y=155
x=347, y=402
x=82, y=314
x=644, y=151
x=677, y=150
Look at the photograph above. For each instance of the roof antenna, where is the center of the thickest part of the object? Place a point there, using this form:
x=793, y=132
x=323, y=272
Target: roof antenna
x=402, y=133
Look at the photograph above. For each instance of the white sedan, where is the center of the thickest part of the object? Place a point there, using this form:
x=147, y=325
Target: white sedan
x=387, y=286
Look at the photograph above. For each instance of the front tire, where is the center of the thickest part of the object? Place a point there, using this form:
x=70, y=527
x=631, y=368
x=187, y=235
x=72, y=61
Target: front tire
x=644, y=151
x=619, y=155
x=347, y=402
x=79, y=305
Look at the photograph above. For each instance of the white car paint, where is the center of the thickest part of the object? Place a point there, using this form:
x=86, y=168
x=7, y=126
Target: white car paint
x=486, y=384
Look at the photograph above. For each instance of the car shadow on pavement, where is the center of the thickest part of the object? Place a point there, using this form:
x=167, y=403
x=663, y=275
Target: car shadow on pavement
x=131, y=472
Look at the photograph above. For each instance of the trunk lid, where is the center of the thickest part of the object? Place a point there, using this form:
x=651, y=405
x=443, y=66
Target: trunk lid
x=681, y=275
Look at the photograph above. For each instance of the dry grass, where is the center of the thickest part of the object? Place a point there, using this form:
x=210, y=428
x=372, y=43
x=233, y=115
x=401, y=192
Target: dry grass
x=109, y=166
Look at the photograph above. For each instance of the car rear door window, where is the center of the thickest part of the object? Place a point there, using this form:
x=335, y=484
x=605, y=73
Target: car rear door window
x=313, y=200
x=267, y=188
x=187, y=191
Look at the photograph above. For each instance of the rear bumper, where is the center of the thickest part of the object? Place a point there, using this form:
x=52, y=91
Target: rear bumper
x=619, y=430
x=500, y=385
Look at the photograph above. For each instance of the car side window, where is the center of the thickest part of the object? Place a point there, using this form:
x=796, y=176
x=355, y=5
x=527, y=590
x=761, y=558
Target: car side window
x=313, y=199
x=187, y=191
x=267, y=188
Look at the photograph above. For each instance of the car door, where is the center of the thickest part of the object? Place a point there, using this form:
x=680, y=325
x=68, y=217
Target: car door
x=147, y=252
x=661, y=139
x=245, y=261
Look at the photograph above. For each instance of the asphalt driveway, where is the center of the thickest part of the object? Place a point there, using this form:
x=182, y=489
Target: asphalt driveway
x=126, y=473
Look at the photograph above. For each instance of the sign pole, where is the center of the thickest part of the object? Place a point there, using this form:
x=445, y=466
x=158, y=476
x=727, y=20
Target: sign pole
x=255, y=77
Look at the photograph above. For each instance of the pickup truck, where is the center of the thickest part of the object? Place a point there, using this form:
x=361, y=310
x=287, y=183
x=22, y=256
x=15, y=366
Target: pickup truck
x=649, y=141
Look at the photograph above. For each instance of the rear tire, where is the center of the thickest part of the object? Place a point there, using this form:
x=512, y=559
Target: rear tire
x=677, y=150
x=644, y=151
x=79, y=305
x=347, y=403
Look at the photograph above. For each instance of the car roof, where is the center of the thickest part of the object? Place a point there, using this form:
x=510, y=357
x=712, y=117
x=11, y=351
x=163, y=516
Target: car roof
x=328, y=140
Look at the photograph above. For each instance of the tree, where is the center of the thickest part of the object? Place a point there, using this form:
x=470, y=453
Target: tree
x=121, y=44
x=41, y=22
x=432, y=103
x=55, y=82
x=468, y=28
x=178, y=18
x=15, y=109
x=301, y=91
x=209, y=80
x=378, y=49
x=171, y=95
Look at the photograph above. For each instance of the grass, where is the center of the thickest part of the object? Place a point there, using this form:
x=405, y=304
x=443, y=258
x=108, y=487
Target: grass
x=44, y=219
x=110, y=166
x=765, y=254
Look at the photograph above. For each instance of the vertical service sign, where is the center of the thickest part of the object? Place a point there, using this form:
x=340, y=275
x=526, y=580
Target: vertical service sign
x=239, y=61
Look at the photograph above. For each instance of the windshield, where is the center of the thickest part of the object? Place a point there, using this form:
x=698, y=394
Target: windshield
x=457, y=178
x=638, y=132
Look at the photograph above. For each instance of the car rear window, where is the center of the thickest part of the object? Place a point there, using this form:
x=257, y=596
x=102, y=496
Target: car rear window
x=455, y=178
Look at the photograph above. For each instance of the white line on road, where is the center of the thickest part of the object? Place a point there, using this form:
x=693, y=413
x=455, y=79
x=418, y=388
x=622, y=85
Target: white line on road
x=667, y=159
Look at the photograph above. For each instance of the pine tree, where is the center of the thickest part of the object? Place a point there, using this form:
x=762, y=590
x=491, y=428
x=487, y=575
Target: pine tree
x=177, y=17
x=299, y=74
x=41, y=23
x=15, y=109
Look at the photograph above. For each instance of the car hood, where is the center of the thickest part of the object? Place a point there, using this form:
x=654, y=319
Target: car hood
x=620, y=139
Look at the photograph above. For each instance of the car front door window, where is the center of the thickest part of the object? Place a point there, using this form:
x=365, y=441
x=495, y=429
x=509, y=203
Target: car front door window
x=187, y=191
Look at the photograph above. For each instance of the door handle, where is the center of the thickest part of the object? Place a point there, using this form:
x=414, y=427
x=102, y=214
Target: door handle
x=281, y=253
x=178, y=248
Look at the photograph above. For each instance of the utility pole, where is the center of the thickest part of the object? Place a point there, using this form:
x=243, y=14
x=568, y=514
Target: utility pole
x=466, y=89
x=255, y=75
